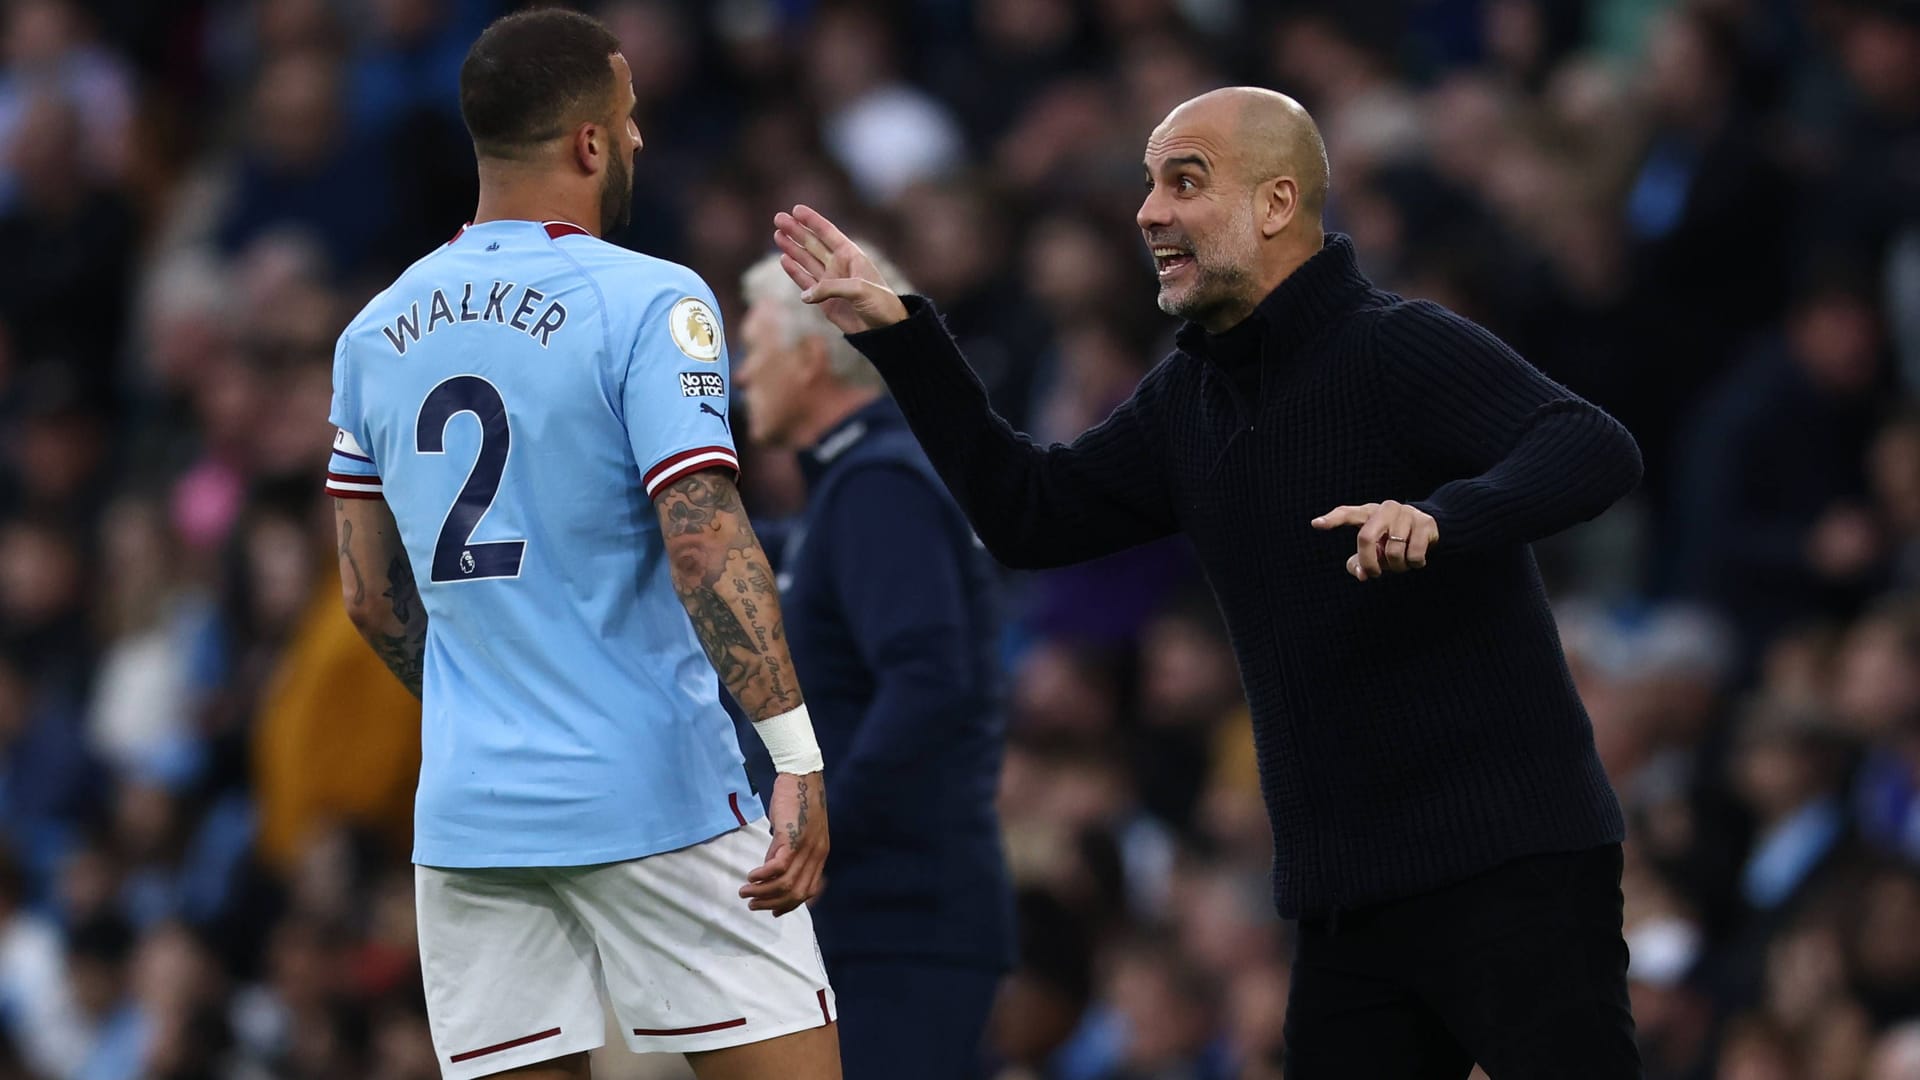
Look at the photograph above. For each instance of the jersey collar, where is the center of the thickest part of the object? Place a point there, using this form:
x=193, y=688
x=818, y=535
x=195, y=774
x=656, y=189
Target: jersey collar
x=555, y=229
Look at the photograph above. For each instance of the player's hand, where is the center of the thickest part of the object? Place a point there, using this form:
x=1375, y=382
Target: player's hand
x=833, y=272
x=797, y=861
x=1394, y=537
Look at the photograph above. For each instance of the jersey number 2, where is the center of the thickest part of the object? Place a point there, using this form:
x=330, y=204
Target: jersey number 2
x=455, y=557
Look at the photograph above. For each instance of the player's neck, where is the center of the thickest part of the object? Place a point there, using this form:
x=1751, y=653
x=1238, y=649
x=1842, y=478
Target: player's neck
x=515, y=199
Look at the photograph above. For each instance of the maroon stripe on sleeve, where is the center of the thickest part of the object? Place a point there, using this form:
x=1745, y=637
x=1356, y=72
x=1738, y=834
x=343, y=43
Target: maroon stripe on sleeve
x=665, y=472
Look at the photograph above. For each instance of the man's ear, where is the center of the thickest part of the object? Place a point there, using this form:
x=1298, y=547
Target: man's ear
x=1279, y=202
x=590, y=148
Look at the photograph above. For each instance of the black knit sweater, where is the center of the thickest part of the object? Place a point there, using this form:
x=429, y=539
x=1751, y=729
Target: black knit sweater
x=1414, y=729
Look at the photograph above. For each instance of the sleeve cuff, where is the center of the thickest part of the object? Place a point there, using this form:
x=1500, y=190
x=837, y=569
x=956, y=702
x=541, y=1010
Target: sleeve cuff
x=1442, y=518
x=687, y=462
x=908, y=338
x=353, y=486
x=351, y=473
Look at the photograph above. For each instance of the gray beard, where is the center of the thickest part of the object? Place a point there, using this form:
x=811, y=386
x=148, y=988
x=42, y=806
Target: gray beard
x=1216, y=287
x=1218, y=282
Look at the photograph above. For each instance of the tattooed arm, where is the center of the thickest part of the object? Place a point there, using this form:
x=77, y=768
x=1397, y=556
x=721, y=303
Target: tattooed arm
x=724, y=582
x=722, y=577
x=376, y=581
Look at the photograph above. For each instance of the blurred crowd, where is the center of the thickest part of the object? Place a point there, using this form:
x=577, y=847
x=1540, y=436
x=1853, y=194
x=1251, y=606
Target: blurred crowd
x=1702, y=214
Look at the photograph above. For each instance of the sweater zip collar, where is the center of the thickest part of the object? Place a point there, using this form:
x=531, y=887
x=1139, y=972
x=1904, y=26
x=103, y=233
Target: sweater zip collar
x=1324, y=287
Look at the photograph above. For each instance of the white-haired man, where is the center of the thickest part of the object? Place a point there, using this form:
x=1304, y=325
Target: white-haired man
x=887, y=599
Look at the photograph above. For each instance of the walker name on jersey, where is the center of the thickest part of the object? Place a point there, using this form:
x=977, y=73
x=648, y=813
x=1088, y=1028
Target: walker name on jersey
x=498, y=303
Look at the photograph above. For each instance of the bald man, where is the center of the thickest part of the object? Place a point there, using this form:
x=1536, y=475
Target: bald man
x=1361, y=476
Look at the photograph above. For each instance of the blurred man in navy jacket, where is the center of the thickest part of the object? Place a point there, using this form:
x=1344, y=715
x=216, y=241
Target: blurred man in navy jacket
x=890, y=618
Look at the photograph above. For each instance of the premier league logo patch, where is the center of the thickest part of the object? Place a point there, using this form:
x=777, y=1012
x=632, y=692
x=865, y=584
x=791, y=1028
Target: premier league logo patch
x=695, y=329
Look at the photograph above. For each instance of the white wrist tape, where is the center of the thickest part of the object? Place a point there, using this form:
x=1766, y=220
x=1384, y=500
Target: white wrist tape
x=789, y=741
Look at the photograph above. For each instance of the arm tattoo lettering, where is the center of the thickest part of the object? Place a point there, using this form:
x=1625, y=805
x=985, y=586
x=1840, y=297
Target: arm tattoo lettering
x=798, y=826
x=723, y=580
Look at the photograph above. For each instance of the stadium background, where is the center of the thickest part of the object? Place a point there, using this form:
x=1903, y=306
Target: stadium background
x=1703, y=214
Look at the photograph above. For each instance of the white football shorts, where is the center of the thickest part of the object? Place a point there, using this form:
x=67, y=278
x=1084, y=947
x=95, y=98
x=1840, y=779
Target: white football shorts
x=517, y=960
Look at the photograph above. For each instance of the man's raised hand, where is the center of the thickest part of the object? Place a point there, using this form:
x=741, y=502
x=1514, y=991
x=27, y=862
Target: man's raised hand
x=833, y=272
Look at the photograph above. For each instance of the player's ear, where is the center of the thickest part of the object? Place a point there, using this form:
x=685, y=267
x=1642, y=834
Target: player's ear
x=1279, y=201
x=590, y=148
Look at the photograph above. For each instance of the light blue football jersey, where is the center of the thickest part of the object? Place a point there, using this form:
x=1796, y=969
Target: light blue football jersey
x=517, y=397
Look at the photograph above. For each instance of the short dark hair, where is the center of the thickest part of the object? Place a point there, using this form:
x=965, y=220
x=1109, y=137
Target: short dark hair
x=531, y=76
